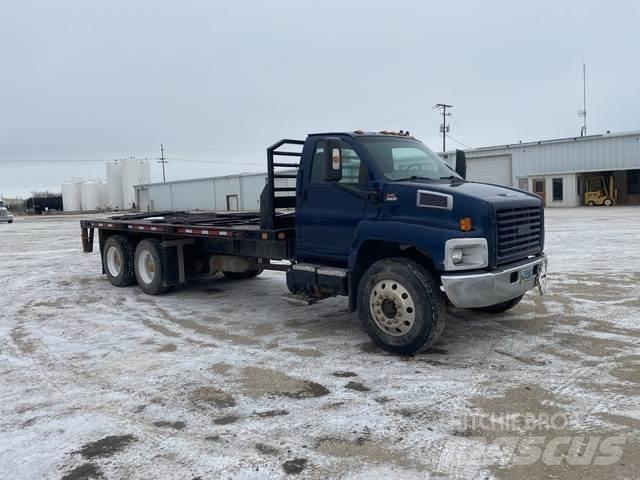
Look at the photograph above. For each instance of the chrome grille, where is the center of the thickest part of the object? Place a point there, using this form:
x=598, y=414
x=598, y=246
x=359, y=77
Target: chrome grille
x=518, y=232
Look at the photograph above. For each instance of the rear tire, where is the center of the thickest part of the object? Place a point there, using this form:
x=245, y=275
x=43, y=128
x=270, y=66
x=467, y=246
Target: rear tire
x=117, y=258
x=149, y=266
x=254, y=272
x=400, y=306
x=500, y=307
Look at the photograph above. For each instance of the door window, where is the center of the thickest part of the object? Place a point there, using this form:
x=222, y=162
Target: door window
x=557, y=190
x=633, y=181
x=354, y=171
x=538, y=186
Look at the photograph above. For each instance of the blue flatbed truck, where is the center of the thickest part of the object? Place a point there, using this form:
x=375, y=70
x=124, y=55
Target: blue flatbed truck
x=374, y=216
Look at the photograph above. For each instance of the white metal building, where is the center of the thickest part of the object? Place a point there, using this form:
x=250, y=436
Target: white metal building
x=228, y=193
x=558, y=169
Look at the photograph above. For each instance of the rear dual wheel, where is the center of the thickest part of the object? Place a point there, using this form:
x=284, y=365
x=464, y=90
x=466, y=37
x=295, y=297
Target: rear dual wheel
x=117, y=259
x=149, y=266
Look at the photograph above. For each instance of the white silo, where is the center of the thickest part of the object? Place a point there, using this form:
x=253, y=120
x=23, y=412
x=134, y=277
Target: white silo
x=90, y=196
x=103, y=195
x=114, y=185
x=134, y=172
x=71, y=197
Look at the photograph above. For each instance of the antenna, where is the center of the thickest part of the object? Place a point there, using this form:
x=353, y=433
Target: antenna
x=583, y=113
x=444, y=128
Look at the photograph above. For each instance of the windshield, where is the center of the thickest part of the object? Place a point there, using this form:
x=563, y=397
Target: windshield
x=1, y=204
x=404, y=159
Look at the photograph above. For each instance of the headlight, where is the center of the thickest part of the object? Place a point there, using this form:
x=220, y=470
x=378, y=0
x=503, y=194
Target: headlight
x=466, y=253
x=457, y=256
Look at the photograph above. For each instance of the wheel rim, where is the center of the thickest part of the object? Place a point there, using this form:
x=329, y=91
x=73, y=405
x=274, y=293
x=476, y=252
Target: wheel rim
x=392, y=307
x=146, y=266
x=114, y=261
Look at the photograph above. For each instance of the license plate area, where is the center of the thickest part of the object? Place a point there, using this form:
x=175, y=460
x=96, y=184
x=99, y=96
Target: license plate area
x=526, y=275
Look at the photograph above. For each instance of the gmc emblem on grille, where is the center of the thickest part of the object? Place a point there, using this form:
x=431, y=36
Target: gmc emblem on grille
x=524, y=229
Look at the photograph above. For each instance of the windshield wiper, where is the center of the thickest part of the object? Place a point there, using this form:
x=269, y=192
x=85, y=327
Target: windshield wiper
x=453, y=178
x=414, y=177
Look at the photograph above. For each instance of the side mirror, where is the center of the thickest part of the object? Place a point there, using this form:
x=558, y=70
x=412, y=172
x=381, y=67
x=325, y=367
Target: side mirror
x=332, y=159
x=461, y=163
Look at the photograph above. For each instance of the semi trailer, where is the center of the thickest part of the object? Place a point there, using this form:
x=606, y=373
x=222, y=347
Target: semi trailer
x=374, y=216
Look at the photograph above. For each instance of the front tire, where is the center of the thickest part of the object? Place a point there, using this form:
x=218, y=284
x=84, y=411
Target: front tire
x=500, y=307
x=400, y=306
x=608, y=202
x=149, y=267
x=117, y=258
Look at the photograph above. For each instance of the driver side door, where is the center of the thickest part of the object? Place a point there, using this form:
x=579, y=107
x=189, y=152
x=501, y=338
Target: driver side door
x=327, y=216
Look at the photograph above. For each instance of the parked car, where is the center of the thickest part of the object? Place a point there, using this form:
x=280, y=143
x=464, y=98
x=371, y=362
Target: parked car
x=5, y=216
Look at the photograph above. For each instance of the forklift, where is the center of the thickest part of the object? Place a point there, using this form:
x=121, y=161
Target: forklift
x=599, y=190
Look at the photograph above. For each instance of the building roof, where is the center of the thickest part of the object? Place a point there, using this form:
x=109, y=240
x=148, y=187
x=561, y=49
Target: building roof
x=586, y=138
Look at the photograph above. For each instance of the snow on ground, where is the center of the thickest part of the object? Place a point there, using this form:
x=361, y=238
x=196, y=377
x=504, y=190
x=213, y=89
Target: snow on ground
x=226, y=379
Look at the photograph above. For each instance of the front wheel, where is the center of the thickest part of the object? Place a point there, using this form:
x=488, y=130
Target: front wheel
x=400, y=306
x=500, y=307
x=608, y=202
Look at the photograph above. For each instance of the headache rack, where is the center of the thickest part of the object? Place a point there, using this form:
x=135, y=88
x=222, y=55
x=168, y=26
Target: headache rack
x=275, y=196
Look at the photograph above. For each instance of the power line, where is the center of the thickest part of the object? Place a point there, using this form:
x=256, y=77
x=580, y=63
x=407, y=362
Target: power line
x=459, y=142
x=101, y=160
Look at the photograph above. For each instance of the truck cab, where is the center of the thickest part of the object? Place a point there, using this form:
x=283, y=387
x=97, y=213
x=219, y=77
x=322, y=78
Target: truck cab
x=383, y=219
x=5, y=216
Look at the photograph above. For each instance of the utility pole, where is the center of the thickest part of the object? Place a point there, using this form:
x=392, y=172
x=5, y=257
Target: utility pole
x=444, y=128
x=583, y=113
x=163, y=160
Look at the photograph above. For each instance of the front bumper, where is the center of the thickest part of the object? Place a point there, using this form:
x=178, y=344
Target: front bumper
x=483, y=289
x=8, y=218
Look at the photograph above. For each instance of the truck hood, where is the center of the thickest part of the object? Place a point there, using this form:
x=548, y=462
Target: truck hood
x=496, y=195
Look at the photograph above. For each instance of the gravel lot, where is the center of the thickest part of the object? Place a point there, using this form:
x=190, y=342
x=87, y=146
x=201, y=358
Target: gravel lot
x=227, y=380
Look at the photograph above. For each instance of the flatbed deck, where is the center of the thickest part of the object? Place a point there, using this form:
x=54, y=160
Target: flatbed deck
x=242, y=229
x=237, y=225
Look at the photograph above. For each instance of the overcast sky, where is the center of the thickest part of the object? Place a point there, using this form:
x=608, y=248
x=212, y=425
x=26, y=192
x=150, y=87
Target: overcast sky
x=219, y=81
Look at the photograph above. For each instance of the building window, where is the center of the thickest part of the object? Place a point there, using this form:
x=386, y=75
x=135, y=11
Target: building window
x=633, y=181
x=557, y=190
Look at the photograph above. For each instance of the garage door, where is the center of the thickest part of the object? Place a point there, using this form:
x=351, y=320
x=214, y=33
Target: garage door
x=490, y=169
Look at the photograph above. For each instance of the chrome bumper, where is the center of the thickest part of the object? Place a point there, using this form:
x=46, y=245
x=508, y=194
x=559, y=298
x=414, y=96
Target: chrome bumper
x=482, y=289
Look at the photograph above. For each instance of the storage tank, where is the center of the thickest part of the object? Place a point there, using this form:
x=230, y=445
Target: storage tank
x=114, y=185
x=89, y=195
x=71, y=197
x=134, y=172
x=103, y=195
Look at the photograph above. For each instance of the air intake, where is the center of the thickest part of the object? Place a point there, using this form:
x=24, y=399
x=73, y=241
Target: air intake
x=434, y=200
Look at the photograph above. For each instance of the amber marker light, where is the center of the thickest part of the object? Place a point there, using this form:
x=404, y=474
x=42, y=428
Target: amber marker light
x=465, y=224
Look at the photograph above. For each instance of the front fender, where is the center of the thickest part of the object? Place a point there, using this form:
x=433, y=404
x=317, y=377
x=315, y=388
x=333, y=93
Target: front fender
x=429, y=239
